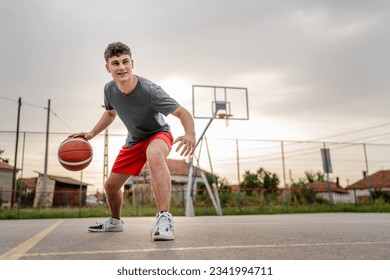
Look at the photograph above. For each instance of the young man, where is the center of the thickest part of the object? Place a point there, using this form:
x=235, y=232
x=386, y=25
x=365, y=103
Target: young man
x=140, y=104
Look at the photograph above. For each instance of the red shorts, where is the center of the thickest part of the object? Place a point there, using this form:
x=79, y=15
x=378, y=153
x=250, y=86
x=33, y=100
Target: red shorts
x=130, y=160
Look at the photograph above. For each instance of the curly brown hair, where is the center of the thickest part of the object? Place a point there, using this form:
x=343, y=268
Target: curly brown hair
x=116, y=49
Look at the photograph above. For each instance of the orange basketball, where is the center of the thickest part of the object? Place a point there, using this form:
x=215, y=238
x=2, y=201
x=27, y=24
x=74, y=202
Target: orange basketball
x=75, y=154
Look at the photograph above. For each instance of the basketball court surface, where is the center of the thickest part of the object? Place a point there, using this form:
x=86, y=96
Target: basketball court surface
x=327, y=236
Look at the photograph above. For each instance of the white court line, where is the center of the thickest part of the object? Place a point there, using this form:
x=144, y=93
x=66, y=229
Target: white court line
x=20, y=250
x=206, y=248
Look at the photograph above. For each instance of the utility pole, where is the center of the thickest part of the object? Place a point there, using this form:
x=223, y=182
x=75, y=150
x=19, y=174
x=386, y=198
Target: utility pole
x=105, y=161
x=45, y=178
x=368, y=176
x=13, y=196
x=105, y=164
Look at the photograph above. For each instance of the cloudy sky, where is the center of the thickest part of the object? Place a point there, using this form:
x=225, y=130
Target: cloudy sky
x=313, y=69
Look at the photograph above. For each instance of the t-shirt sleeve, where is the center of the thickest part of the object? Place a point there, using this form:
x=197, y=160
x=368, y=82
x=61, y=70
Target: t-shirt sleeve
x=162, y=102
x=107, y=104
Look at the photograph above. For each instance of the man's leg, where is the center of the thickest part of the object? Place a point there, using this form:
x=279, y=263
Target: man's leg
x=114, y=198
x=156, y=154
x=114, y=194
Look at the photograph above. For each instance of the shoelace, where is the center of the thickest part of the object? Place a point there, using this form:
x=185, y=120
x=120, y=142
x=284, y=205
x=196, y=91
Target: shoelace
x=162, y=219
x=105, y=224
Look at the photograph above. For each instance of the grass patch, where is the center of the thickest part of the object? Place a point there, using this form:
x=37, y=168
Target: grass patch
x=146, y=211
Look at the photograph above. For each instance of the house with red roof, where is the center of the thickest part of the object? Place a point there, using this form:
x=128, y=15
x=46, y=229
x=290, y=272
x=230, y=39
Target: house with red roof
x=179, y=177
x=379, y=181
x=6, y=175
x=59, y=191
x=330, y=191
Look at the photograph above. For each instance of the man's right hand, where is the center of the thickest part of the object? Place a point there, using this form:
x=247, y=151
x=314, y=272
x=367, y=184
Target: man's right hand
x=85, y=135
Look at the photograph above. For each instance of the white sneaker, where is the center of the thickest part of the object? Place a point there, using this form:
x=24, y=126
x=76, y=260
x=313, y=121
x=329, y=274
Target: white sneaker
x=163, y=227
x=110, y=224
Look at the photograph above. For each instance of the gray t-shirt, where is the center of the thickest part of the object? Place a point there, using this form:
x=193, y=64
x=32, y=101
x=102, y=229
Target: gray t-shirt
x=142, y=110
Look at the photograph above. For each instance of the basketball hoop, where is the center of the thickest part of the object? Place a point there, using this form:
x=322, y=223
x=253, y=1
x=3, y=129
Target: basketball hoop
x=224, y=116
x=228, y=100
x=229, y=103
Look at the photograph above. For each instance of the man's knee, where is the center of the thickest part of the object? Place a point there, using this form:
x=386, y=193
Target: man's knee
x=114, y=183
x=109, y=186
x=156, y=153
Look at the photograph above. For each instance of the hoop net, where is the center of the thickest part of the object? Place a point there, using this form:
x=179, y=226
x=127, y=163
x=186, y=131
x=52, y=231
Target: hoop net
x=224, y=116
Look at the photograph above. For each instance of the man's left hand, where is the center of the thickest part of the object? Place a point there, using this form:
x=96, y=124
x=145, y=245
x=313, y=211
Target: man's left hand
x=187, y=145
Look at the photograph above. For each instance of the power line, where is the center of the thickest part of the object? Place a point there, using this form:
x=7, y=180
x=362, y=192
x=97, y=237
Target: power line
x=306, y=151
x=61, y=120
x=352, y=131
x=9, y=99
x=23, y=102
x=35, y=105
x=40, y=107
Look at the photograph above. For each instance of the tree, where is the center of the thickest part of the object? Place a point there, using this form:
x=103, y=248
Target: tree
x=312, y=176
x=6, y=160
x=261, y=179
x=211, y=178
x=251, y=181
x=223, y=183
x=301, y=192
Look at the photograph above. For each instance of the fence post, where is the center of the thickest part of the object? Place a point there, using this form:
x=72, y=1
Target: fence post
x=81, y=193
x=136, y=199
x=182, y=199
x=238, y=177
x=368, y=176
x=224, y=197
x=65, y=199
x=284, y=180
x=355, y=198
